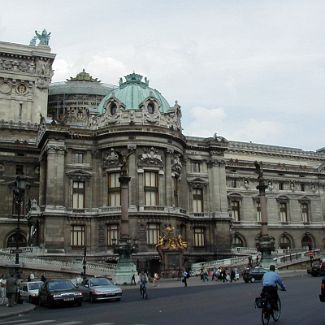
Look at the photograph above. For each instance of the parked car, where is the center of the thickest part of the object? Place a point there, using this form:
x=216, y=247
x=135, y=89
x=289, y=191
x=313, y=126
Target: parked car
x=56, y=292
x=322, y=291
x=318, y=267
x=30, y=290
x=100, y=289
x=253, y=274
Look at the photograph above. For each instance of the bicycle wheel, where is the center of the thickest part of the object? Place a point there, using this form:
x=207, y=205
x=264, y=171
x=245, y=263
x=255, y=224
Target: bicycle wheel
x=265, y=316
x=276, y=313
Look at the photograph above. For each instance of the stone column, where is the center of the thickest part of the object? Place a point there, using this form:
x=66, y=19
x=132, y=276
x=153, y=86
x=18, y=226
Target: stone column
x=141, y=187
x=42, y=182
x=124, y=181
x=55, y=175
x=217, y=187
x=133, y=193
x=169, y=188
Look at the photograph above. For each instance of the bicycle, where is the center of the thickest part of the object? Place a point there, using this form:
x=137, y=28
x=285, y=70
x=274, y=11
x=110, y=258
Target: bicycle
x=143, y=291
x=268, y=309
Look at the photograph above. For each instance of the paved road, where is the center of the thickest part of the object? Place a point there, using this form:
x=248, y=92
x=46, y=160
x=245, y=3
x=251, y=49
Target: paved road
x=222, y=304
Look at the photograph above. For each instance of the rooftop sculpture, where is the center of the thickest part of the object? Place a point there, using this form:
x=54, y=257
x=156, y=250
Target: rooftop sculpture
x=43, y=38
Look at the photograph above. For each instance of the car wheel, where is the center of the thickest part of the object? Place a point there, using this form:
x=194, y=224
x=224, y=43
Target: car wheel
x=91, y=298
x=79, y=303
x=30, y=299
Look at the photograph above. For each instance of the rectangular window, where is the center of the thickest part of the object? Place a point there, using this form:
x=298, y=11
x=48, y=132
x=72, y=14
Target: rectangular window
x=283, y=212
x=151, y=188
x=197, y=200
x=78, y=157
x=19, y=169
x=235, y=213
x=112, y=234
x=199, y=237
x=281, y=186
x=114, y=190
x=196, y=166
x=233, y=182
x=78, y=236
x=152, y=233
x=304, y=212
x=78, y=195
x=302, y=187
x=258, y=212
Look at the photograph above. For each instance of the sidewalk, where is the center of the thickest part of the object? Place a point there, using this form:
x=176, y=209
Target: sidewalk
x=15, y=310
x=163, y=283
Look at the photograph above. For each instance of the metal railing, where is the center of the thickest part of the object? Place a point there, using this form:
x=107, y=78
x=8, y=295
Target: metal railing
x=28, y=261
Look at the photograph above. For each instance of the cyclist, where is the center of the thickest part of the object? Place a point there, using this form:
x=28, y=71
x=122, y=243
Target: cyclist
x=271, y=280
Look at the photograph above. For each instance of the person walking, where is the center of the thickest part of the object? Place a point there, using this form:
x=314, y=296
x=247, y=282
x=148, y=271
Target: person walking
x=2, y=291
x=143, y=280
x=185, y=275
x=11, y=289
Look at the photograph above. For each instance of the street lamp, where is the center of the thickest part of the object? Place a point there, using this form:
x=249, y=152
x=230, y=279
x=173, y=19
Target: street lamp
x=19, y=192
x=84, y=263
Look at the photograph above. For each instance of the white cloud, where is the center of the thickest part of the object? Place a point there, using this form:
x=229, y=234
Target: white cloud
x=103, y=66
x=204, y=122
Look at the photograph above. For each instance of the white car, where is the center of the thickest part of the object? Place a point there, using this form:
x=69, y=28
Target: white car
x=30, y=290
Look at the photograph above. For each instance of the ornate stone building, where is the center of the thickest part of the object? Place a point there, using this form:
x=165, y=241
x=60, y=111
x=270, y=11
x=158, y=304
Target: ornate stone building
x=69, y=146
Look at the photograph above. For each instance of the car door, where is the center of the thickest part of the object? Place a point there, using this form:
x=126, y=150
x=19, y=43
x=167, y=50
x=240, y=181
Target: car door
x=85, y=289
x=24, y=292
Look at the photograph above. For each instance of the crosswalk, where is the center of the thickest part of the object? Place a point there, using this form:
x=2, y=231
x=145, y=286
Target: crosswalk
x=27, y=321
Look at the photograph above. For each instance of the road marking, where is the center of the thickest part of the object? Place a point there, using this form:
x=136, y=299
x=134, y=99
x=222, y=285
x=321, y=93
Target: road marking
x=41, y=322
x=14, y=321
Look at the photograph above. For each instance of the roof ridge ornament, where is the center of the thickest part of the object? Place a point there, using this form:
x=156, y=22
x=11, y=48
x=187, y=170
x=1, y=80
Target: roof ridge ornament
x=133, y=78
x=83, y=76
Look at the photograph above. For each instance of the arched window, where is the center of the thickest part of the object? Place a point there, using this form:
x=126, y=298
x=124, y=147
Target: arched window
x=151, y=108
x=113, y=108
x=11, y=241
x=285, y=242
x=238, y=241
x=307, y=242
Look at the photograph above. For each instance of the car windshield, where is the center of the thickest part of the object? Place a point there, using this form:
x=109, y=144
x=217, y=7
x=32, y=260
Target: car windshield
x=100, y=282
x=60, y=285
x=34, y=285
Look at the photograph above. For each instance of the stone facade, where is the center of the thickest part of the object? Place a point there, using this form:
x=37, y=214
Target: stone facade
x=205, y=188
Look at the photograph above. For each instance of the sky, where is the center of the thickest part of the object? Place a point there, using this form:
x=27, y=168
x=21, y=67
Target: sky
x=248, y=70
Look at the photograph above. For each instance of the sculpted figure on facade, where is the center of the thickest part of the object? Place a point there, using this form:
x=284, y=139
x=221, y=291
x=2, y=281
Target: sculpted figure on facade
x=150, y=157
x=44, y=72
x=176, y=164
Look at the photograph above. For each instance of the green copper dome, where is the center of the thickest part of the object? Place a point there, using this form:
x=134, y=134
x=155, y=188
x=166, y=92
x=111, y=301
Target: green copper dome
x=132, y=92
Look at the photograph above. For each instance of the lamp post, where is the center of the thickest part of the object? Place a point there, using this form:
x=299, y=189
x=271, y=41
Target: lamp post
x=264, y=243
x=19, y=192
x=84, y=263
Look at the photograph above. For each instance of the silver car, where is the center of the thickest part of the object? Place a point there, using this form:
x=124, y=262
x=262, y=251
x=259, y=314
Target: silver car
x=30, y=290
x=99, y=289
